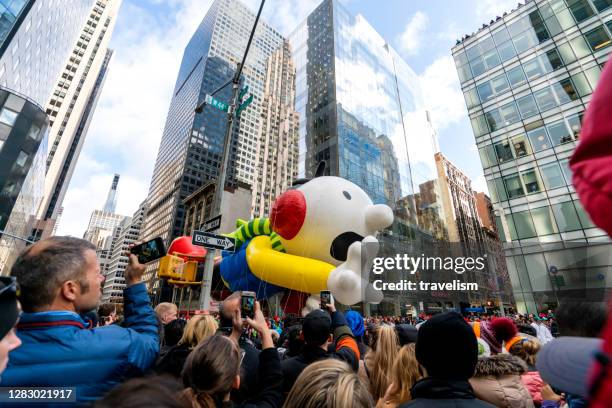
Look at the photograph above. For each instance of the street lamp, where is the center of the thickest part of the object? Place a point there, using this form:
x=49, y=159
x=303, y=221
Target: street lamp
x=220, y=186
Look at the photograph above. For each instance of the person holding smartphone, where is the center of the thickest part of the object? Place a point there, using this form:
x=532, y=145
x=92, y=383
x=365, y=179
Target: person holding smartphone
x=212, y=369
x=59, y=278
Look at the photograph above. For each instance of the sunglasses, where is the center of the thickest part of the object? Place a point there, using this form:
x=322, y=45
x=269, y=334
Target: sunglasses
x=10, y=285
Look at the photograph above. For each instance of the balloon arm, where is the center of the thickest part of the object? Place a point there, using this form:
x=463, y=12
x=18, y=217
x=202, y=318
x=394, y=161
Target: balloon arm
x=286, y=270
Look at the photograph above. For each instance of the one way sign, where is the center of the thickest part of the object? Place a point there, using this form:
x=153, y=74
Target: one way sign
x=213, y=241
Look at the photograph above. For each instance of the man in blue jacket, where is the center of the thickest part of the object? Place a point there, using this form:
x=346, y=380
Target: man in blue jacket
x=60, y=279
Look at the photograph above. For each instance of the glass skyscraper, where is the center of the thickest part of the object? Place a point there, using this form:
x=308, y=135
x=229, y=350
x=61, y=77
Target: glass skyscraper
x=191, y=145
x=35, y=39
x=527, y=78
x=358, y=103
x=361, y=110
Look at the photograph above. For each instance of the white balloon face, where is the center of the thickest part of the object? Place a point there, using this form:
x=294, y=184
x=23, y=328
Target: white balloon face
x=335, y=218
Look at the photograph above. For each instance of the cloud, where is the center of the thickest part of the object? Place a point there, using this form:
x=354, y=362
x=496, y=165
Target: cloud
x=283, y=15
x=479, y=184
x=128, y=123
x=489, y=9
x=442, y=93
x=411, y=39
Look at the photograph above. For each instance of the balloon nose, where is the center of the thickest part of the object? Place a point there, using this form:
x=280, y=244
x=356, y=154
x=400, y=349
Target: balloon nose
x=378, y=216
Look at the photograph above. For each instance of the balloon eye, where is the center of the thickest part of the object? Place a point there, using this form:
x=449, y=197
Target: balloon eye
x=347, y=195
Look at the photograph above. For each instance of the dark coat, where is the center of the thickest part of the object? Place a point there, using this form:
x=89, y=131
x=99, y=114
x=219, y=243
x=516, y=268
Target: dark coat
x=439, y=393
x=173, y=360
x=345, y=349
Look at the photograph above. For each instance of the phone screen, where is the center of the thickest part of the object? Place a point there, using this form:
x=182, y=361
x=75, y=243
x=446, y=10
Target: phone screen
x=325, y=299
x=247, y=306
x=149, y=251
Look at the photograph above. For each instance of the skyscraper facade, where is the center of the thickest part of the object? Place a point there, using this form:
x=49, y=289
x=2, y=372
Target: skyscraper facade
x=527, y=78
x=35, y=39
x=276, y=163
x=361, y=111
x=127, y=234
x=359, y=104
x=72, y=105
x=191, y=145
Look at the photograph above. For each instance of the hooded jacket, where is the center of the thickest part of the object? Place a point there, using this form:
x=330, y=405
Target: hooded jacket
x=497, y=380
x=591, y=162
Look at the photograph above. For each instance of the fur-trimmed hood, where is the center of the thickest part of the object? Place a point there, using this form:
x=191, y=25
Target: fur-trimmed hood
x=498, y=365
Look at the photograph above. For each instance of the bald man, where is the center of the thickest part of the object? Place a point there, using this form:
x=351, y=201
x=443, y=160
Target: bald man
x=60, y=279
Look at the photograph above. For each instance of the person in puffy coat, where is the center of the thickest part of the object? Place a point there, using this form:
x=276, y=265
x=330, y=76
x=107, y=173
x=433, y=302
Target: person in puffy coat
x=497, y=380
x=59, y=279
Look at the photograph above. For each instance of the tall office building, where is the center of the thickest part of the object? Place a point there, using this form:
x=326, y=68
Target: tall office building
x=102, y=224
x=276, y=163
x=359, y=104
x=35, y=39
x=464, y=225
x=71, y=108
x=527, y=77
x=111, y=198
x=191, y=145
x=127, y=234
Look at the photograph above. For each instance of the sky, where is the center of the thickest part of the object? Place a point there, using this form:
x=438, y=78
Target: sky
x=149, y=39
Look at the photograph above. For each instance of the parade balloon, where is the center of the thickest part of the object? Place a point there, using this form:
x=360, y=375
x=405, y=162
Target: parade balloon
x=314, y=241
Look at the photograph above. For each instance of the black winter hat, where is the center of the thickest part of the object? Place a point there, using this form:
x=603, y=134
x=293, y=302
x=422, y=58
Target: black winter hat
x=316, y=327
x=447, y=347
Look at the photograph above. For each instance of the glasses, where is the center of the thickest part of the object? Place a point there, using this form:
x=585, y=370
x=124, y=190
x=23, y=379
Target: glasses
x=10, y=285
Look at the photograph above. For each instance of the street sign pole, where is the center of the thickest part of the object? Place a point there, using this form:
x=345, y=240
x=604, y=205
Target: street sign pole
x=220, y=185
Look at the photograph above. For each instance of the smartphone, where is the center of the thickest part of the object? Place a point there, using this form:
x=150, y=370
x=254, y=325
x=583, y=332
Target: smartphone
x=326, y=299
x=149, y=251
x=247, y=305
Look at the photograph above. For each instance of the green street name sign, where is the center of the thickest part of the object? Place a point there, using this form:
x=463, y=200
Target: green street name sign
x=216, y=103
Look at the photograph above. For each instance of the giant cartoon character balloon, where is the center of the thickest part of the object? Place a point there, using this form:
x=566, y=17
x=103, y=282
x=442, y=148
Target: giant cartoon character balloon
x=313, y=241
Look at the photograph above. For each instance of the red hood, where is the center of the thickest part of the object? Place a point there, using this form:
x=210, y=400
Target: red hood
x=591, y=163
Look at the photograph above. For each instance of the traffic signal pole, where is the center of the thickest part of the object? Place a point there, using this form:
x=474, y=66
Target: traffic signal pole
x=205, y=289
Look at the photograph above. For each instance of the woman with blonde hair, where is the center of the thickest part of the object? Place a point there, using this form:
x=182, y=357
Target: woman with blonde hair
x=378, y=362
x=329, y=383
x=406, y=371
x=198, y=329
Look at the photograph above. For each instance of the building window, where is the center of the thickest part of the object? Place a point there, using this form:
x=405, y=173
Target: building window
x=552, y=176
x=516, y=76
x=580, y=9
x=581, y=83
x=513, y=185
x=575, y=124
x=527, y=106
x=520, y=146
x=558, y=132
x=543, y=221
x=539, y=139
x=503, y=152
x=566, y=217
x=597, y=38
x=601, y=5
x=524, y=225
x=8, y=116
x=530, y=179
x=545, y=99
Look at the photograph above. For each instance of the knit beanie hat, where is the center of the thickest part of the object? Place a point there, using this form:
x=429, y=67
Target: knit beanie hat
x=355, y=322
x=495, y=331
x=446, y=346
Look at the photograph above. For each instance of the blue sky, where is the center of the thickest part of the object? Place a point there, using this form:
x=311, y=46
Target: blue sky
x=149, y=39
